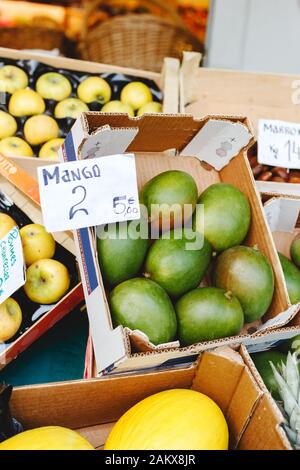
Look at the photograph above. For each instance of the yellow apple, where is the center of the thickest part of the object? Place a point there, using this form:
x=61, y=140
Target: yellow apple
x=37, y=243
x=136, y=94
x=8, y=125
x=72, y=108
x=116, y=106
x=94, y=89
x=39, y=129
x=15, y=147
x=10, y=319
x=47, y=281
x=12, y=78
x=150, y=108
x=53, y=86
x=49, y=150
x=7, y=223
x=26, y=102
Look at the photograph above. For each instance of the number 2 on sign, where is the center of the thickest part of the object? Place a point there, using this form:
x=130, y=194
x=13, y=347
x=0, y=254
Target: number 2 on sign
x=74, y=211
x=292, y=149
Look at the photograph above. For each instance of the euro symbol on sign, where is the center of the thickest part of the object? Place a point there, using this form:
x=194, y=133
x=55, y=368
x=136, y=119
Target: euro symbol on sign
x=131, y=200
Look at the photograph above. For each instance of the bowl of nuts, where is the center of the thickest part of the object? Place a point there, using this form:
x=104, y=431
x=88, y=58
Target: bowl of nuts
x=273, y=179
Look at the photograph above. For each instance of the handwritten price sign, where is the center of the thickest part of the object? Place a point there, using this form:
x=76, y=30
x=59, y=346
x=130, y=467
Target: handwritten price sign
x=279, y=143
x=88, y=193
x=11, y=264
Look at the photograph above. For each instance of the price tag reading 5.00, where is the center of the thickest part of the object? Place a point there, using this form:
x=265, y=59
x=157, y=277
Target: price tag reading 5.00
x=279, y=143
x=88, y=193
x=124, y=205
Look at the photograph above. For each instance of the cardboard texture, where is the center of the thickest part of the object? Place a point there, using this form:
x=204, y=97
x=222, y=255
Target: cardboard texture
x=221, y=374
x=167, y=81
x=206, y=91
x=23, y=191
x=267, y=415
x=157, y=135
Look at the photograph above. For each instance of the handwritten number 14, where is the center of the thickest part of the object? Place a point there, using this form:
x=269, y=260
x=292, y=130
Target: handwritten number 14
x=292, y=149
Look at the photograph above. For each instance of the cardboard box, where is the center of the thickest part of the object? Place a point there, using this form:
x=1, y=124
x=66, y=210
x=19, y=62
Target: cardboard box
x=206, y=91
x=167, y=81
x=156, y=135
x=23, y=191
x=221, y=374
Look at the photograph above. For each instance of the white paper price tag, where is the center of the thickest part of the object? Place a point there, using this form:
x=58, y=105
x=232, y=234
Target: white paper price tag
x=218, y=142
x=279, y=143
x=12, y=272
x=87, y=193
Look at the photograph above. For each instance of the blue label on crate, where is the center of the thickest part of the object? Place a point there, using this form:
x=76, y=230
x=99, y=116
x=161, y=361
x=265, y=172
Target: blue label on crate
x=69, y=148
x=88, y=261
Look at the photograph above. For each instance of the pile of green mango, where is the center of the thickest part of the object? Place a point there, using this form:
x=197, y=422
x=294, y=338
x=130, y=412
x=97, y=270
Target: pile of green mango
x=156, y=285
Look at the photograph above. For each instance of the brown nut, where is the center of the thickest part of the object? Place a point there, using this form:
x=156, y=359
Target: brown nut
x=252, y=160
x=281, y=172
x=257, y=170
x=294, y=179
x=294, y=173
x=278, y=179
x=265, y=176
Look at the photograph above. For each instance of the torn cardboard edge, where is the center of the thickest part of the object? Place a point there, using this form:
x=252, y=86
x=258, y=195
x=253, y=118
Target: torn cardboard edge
x=190, y=64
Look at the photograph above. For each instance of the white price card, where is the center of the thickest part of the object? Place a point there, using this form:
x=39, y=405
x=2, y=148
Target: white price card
x=12, y=271
x=86, y=193
x=218, y=142
x=279, y=143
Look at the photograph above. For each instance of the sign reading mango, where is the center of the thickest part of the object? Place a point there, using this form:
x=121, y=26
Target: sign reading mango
x=88, y=193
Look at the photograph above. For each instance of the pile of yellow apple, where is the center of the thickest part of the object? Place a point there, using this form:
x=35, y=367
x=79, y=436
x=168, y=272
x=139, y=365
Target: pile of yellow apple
x=47, y=280
x=41, y=129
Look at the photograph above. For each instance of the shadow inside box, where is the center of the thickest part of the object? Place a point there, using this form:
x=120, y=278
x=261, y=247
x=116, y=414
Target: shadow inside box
x=57, y=356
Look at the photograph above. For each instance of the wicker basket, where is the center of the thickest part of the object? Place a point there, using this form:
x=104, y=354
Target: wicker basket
x=26, y=37
x=139, y=41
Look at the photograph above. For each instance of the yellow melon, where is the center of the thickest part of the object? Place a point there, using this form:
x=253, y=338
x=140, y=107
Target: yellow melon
x=47, y=438
x=171, y=420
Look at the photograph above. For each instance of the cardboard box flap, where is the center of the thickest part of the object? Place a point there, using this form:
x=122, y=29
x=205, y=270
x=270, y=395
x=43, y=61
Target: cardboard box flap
x=170, y=131
x=86, y=403
x=107, y=141
x=230, y=386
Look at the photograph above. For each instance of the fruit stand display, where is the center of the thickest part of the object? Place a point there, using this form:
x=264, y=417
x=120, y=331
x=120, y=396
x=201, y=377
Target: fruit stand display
x=219, y=389
x=42, y=97
x=258, y=96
